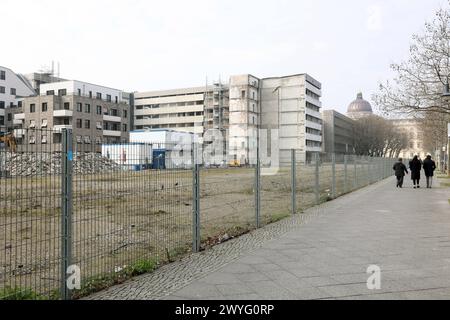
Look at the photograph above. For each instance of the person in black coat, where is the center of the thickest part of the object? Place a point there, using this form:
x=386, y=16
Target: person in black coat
x=400, y=170
x=415, y=165
x=429, y=166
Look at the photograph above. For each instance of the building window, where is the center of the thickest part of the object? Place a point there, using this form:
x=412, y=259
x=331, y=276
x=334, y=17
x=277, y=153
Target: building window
x=79, y=92
x=9, y=116
x=87, y=124
x=62, y=92
x=32, y=124
x=90, y=94
x=51, y=92
x=79, y=107
x=87, y=139
x=99, y=125
x=19, y=104
x=44, y=139
x=2, y=89
x=125, y=113
x=99, y=95
x=2, y=104
x=44, y=123
x=87, y=108
x=114, y=112
x=108, y=97
x=99, y=109
x=124, y=127
x=79, y=139
x=2, y=75
x=44, y=107
x=79, y=123
x=117, y=99
x=2, y=121
x=66, y=105
x=32, y=108
x=13, y=91
x=32, y=139
x=243, y=94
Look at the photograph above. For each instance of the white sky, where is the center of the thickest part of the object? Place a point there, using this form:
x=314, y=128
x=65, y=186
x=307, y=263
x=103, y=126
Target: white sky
x=139, y=45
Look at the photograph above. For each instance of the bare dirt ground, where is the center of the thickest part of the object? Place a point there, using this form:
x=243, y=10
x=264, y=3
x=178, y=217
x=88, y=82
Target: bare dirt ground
x=121, y=217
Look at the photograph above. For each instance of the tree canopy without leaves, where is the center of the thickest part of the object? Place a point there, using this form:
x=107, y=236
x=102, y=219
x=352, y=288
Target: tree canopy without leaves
x=378, y=137
x=419, y=82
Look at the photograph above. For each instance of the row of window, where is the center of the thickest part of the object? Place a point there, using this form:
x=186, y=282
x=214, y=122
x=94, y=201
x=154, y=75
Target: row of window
x=87, y=109
x=312, y=94
x=87, y=125
x=313, y=131
x=79, y=139
x=314, y=144
x=313, y=119
x=99, y=95
x=170, y=115
x=164, y=105
x=12, y=91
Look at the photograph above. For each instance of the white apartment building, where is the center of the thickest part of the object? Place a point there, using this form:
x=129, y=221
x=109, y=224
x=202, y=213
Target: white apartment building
x=13, y=87
x=181, y=110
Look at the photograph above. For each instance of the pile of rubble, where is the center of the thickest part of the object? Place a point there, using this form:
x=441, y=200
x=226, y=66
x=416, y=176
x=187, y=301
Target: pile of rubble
x=36, y=164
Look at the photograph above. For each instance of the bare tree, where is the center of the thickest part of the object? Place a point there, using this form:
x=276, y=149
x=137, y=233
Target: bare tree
x=378, y=137
x=419, y=82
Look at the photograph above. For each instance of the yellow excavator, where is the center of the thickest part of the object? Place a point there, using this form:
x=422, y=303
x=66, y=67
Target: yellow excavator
x=234, y=164
x=9, y=140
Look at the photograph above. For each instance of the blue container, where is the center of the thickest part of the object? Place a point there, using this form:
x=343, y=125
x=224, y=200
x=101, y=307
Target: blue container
x=159, y=159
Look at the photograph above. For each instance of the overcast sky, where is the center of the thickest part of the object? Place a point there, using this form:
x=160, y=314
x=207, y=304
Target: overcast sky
x=141, y=45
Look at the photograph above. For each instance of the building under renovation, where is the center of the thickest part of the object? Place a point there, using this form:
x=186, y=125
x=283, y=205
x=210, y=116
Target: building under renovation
x=286, y=108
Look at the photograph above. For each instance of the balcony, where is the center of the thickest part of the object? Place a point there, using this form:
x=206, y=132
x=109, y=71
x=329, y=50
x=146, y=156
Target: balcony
x=112, y=118
x=19, y=133
x=59, y=128
x=17, y=122
x=111, y=133
x=62, y=113
x=19, y=116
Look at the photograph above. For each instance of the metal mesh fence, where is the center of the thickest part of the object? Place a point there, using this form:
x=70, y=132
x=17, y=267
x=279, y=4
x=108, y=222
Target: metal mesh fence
x=117, y=210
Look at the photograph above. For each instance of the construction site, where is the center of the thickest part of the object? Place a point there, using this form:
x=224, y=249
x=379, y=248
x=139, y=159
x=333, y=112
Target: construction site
x=118, y=217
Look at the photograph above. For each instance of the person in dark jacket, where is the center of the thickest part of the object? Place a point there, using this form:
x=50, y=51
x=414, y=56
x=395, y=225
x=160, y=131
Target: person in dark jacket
x=429, y=166
x=400, y=170
x=415, y=165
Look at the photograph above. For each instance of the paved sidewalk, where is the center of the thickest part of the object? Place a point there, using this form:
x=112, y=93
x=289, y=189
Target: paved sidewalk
x=323, y=254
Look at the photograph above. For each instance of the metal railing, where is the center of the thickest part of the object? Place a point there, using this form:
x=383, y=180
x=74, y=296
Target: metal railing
x=74, y=220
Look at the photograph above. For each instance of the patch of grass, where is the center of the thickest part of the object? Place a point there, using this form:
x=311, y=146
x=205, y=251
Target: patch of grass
x=98, y=283
x=9, y=293
x=279, y=216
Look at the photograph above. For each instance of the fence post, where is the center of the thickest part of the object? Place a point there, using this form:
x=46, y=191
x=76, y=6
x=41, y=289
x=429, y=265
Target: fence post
x=317, y=177
x=195, y=199
x=66, y=210
x=355, y=168
x=368, y=171
x=258, y=190
x=294, y=181
x=345, y=174
x=333, y=182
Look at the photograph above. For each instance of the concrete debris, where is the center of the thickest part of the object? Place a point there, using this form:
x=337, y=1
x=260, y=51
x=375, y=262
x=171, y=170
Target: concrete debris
x=36, y=164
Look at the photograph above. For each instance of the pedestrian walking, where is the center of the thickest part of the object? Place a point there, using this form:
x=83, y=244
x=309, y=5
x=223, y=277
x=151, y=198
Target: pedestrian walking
x=415, y=166
x=400, y=170
x=429, y=166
